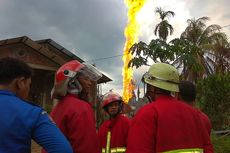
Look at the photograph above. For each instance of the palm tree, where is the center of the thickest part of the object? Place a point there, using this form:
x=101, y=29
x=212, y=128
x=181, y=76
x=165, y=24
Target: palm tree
x=163, y=29
x=221, y=58
x=195, y=53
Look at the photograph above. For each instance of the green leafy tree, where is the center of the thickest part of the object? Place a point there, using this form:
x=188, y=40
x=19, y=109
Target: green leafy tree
x=213, y=97
x=199, y=52
x=157, y=50
x=163, y=29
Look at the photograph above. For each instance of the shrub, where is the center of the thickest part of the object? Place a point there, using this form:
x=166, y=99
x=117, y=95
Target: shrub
x=221, y=144
x=213, y=96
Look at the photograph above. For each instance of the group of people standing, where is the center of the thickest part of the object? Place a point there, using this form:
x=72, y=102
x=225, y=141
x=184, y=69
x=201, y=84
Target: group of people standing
x=167, y=124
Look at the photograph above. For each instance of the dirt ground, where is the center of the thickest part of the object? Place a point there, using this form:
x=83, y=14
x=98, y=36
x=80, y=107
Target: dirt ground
x=35, y=148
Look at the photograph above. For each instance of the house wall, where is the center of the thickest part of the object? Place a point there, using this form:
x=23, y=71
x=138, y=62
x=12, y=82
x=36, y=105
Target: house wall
x=44, y=71
x=43, y=78
x=26, y=54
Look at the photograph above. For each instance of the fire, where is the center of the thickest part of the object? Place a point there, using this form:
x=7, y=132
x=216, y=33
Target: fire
x=131, y=34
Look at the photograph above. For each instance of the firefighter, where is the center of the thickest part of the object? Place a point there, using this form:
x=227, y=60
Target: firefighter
x=166, y=124
x=187, y=94
x=73, y=113
x=113, y=133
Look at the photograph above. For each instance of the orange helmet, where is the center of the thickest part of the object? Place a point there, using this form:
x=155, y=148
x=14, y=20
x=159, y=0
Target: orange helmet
x=109, y=98
x=66, y=77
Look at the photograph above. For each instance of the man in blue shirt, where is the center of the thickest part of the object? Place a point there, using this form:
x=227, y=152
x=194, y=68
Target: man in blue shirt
x=20, y=120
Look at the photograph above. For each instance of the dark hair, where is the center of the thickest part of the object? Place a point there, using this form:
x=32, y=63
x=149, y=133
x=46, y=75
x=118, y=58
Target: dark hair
x=11, y=68
x=187, y=91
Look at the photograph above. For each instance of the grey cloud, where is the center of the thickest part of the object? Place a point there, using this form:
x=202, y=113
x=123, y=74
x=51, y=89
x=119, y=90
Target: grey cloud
x=93, y=28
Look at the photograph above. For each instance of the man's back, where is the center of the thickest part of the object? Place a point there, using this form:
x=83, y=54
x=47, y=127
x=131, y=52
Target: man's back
x=206, y=121
x=76, y=120
x=20, y=122
x=16, y=113
x=166, y=125
x=178, y=127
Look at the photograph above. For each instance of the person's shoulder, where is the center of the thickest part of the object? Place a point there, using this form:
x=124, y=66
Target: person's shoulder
x=72, y=101
x=123, y=116
x=124, y=119
x=202, y=114
x=31, y=104
x=180, y=103
x=147, y=110
x=147, y=106
x=34, y=110
x=80, y=107
x=104, y=123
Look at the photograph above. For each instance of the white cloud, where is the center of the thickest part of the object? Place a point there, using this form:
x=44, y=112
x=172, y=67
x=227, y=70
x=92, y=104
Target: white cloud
x=94, y=28
x=148, y=19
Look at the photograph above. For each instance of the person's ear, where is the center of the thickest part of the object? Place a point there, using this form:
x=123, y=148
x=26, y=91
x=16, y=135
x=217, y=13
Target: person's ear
x=20, y=82
x=177, y=96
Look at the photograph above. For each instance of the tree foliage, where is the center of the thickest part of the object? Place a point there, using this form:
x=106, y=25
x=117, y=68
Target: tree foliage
x=202, y=41
x=214, y=99
x=164, y=29
x=202, y=54
x=199, y=52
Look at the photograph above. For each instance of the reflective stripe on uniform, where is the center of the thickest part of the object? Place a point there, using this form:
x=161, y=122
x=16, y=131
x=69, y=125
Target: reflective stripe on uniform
x=115, y=150
x=118, y=150
x=191, y=150
x=112, y=150
x=108, y=142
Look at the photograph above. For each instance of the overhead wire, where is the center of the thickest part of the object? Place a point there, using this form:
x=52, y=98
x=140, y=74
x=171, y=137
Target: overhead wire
x=115, y=56
x=104, y=58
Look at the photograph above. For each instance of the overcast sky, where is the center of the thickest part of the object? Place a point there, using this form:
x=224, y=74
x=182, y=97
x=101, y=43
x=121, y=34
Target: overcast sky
x=93, y=29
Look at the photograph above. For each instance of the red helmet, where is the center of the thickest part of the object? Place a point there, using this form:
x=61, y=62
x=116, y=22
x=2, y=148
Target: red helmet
x=68, y=72
x=69, y=69
x=110, y=97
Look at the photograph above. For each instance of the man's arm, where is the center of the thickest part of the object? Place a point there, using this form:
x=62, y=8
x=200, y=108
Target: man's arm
x=48, y=135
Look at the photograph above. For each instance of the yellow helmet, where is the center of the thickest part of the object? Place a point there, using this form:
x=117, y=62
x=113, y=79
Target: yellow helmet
x=163, y=76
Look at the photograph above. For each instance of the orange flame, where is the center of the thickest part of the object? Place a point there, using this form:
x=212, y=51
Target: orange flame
x=131, y=34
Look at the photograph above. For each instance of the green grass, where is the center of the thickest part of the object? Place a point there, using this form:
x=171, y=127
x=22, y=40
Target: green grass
x=221, y=144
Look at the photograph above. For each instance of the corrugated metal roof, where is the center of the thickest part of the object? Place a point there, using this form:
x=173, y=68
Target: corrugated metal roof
x=104, y=78
x=60, y=48
x=38, y=46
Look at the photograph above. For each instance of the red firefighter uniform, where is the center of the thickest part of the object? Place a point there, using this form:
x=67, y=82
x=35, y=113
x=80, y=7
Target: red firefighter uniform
x=76, y=120
x=206, y=121
x=113, y=134
x=167, y=125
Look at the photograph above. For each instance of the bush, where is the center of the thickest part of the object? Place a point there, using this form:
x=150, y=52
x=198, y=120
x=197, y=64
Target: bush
x=213, y=96
x=221, y=144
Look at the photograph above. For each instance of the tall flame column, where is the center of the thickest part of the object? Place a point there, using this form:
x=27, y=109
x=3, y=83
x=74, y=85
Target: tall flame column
x=131, y=34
